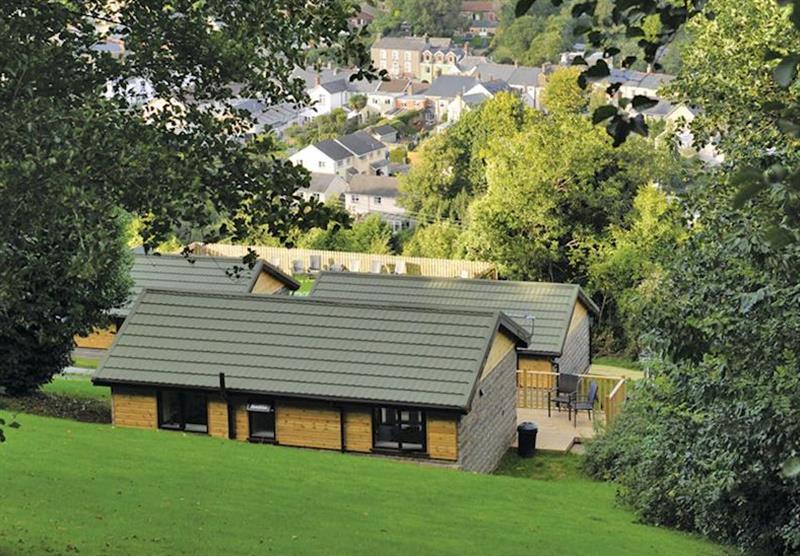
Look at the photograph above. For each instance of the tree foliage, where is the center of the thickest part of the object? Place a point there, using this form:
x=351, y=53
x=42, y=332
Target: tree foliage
x=703, y=444
x=553, y=186
x=563, y=94
x=368, y=235
x=85, y=135
x=450, y=171
x=439, y=18
x=440, y=240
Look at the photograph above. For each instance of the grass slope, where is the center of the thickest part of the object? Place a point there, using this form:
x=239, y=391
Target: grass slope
x=69, y=487
x=76, y=386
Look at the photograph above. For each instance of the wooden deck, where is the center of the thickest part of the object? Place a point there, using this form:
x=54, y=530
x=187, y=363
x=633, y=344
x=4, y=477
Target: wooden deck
x=557, y=433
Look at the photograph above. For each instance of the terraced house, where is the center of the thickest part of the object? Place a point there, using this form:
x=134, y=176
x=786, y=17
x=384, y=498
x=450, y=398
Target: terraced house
x=560, y=315
x=214, y=274
x=425, y=382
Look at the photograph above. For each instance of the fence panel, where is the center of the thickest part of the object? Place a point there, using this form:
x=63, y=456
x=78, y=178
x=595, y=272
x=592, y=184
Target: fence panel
x=615, y=400
x=287, y=259
x=532, y=388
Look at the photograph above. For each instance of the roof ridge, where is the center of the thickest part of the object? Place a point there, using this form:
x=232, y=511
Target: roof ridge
x=364, y=275
x=321, y=300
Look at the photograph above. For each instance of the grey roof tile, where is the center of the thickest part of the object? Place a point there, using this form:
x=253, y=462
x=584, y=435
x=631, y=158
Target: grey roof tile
x=305, y=348
x=550, y=304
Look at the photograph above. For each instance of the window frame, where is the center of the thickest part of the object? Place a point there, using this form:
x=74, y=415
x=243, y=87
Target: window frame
x=262, y=439
x=376, y=422
x=182, y=395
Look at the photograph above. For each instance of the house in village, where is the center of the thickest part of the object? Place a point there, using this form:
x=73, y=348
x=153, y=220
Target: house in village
x=328, y=96
x=440, y=60
x=345, y=156
x=403, y=56
x=474, y=97
x=444, y=90
x=436, y=383
x=324, y=187
x=377, y=195
x=560, y=315
x=478, y=10
x=209, y=274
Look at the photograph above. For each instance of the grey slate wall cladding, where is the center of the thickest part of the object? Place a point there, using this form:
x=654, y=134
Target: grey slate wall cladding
x=485, y=434
x=576, y=350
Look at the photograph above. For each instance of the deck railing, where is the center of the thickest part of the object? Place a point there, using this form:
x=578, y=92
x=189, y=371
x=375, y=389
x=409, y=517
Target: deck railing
x=286, y=259
x=615, y=400
x=533, y=386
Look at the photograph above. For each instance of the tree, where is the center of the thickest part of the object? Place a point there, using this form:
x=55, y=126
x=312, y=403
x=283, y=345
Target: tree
x=357, y=102
x=439, y=240
x=707, y=443
x=563, y=94
x=553, y=186
x=450, y=171
x=368, y=235
x=440, y=18
x=164, y=146
x=626, y=260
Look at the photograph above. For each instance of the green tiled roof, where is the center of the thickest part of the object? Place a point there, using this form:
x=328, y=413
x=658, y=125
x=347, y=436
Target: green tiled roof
x=550, y=304
x=307, y=348
x=204, y=274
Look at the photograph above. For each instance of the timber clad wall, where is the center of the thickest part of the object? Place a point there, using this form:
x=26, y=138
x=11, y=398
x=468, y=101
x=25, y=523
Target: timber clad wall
x=309, y=426
x=535, y=363
x=217, y=417
x=487, y=431
x=576, y=357
x=442, y=436
x=242, y=422
x=134, y=407
x=267, y=284
x=358, y=430
x=500, y=347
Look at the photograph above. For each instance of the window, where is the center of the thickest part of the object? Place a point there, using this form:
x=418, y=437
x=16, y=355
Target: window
x=383, y=54
x=399, y=429
x=354, y=198
x=321, y=164
x=377, y=200
x=183, y=411
x=407, y=56
x=408, y=67
x=262, y=421
x=395, y=55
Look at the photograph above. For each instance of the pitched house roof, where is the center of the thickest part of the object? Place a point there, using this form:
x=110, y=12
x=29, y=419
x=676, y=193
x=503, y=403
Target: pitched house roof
x=393, y=86
x=320, y=182
x=449, y=86
x=333, y=150
x=381, y=186
x=305, y=348
x=551, y=305
x=333, y=87
x=206, y=274
x=360, y=143
x=401, y=43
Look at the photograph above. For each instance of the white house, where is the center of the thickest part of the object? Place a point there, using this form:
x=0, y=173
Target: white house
x=324, y=187
x=377, y=195
x=345, y=156
x=326, y=97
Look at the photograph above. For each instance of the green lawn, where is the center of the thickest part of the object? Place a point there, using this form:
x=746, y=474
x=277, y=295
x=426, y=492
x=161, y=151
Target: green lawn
x=85, y=362
x=616, y=366
x=76, y=386
x=92, y=489
x=306, y=283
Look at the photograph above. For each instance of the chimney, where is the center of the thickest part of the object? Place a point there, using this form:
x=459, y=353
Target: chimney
x=649, y=68
x=516, y=64
x=317, y=80
x=478, y=75
x=466, y=48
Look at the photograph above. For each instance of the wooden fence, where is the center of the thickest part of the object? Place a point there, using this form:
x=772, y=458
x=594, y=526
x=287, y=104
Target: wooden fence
x=288, y=259
x=533, y=386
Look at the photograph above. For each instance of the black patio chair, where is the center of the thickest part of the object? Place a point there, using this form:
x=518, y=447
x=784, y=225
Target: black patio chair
x=565, y=392
x=585, y=404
